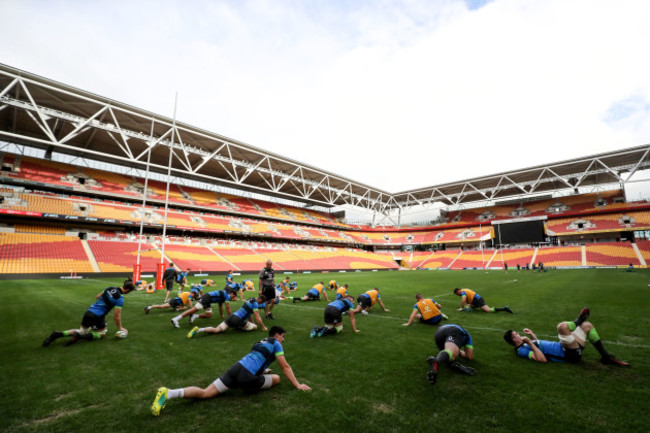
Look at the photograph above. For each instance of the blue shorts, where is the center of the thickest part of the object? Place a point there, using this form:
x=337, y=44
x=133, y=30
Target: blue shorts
x=432, y=321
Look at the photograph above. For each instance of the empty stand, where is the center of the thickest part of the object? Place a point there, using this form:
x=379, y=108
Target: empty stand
x=119, y=256
x=611, y=254
x=24, y=253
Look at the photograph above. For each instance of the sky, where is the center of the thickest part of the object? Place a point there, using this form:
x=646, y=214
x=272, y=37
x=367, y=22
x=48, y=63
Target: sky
x=396, y=95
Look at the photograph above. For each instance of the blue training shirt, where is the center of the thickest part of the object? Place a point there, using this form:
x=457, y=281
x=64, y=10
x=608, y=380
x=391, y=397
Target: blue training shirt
x=553, y=350
x=111, y=297
x=247, y=309
x=342, y=304
x=262, y=355
x=219, y=296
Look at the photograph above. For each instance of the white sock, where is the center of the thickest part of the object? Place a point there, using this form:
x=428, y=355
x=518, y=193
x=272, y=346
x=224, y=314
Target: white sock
x=175, y=393
x=200, y=330
x=179, y=317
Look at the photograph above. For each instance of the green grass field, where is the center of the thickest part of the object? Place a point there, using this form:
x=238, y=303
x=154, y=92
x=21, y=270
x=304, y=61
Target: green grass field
x=372, y=381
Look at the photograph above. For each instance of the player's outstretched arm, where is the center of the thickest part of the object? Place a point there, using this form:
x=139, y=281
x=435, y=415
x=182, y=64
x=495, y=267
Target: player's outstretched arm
x=353, y=321
x=288, y=372
x=117, y=316
x=411, y=318
x=259, y=320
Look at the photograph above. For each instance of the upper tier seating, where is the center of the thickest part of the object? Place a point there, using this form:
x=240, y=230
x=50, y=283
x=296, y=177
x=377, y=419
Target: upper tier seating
x=634, y=220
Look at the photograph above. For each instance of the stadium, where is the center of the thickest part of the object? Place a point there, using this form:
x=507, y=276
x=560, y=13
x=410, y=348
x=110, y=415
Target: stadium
x=94, y=191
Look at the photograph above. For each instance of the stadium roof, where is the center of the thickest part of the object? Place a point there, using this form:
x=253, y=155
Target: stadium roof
x=46, y=114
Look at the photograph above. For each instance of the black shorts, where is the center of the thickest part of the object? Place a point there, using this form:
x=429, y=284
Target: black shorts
x=238, y=377
x=573, y=355
x=448, y=333
x=478, y=303
x=333, y=315
x=93, y=321
x=235, y=322
x=176, y=302
x=268, y=292
x=206, y=301
x=169, y=285
x=364, y=301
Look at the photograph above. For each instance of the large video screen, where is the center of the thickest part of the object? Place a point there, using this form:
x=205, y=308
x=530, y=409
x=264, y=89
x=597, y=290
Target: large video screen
x=523, y=232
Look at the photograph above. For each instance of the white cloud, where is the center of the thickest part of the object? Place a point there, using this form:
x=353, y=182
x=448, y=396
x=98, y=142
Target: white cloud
x=397, y=95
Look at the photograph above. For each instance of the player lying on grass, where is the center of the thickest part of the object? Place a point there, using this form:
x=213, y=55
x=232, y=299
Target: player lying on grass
x=240, y=319
x=427, y=310
x=453, y=341
x=178, y=303
x=313, y=294
x=366, y=300
x=572, y=336
x=471, y=299
x=93, y=324
x=334, y=317
x=249, y=373
x=219, y=297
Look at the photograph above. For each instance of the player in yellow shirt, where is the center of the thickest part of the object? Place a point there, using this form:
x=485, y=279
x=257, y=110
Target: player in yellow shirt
x=284, y=285
x=342, y=291
x=178, y=303
x=313, y=294
x=333, y=285
x=471, y=299
x=368, y=299
x=427, y=310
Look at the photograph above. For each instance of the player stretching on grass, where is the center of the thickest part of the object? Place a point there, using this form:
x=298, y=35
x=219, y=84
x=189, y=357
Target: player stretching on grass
x=205, y=303
x=93, y=324
x=334, y=317
x=452, y=340
x=572, y=336
x=471, y=299
x=240, y=319
x=178, y=303
x=248, y=373
x=427, y=310
x=313, y=294
x=342, y=292
x=367, y=300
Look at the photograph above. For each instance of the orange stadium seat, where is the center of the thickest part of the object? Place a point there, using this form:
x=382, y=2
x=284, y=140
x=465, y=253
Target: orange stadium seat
x=513, y=257
x=472, y=259
x=41, y=254
x=116, y=256
x=560, y=256
x=441, y=259
x=611, y=254
x=196, y=257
